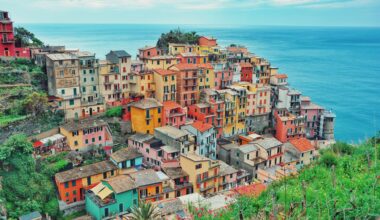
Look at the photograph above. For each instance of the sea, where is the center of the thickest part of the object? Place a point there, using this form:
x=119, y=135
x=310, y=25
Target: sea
x=338, y=67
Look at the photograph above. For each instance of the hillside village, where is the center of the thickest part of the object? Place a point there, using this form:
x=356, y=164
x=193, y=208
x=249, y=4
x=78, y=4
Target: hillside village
x=193, y=122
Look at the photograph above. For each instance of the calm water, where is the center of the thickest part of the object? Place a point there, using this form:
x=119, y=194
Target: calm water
x=338, y=67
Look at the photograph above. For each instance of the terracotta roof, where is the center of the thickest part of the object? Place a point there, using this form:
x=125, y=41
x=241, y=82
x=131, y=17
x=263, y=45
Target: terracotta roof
x=175, y=172
x=208, y=38
x=147, y=103
x=254, y=189
x=147, y=47
x=281, y=76
x=163, y=72
x=226, y=169
x=124, y=154
x=245, y=65
x=171, y=104
x=121, y=183
x=201, y=126
x=85, y=171
x=302, y=144
x=186, y=66
x=205, y=65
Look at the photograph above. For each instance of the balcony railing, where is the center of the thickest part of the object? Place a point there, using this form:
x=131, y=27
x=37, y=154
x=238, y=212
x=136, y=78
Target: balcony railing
x=75, y=96
x=206, y=188
x=7, y=40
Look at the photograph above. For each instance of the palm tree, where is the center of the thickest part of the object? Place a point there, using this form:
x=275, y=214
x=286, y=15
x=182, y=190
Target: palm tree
x=145, y=211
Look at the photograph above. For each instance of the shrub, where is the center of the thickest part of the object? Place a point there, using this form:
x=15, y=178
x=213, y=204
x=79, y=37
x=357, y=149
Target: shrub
x=114, y=112
x=329, y=159
x=342, y=148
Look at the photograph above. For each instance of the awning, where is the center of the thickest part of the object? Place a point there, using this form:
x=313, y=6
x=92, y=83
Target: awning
x=97, y=188
x=104, y=193
x=37, y=144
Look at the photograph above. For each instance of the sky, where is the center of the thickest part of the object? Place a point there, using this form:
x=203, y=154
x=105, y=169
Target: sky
x=207, y=12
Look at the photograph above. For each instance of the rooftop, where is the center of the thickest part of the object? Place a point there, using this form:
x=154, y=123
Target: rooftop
x=147, y=47
x=171, y=131
x=169, y=149
x=163, y=57
x=83, y=53
x=85, y=171
x=140, y=137
x=302, y=144
x=83, y=124
x=226, y=169
x=268, y=143
x=147, y=103
x=171, y=105
x=186, y=66
x=175, y=172
x=247, y=148
x=281, y=76
x=124, y=154
x=163, y=72
x=145, y=177
x=120, y=53
x=201, y=126
x=196, y=157
x=154, y=143
x=245, y=65
x=61, y=56
x=121, y=183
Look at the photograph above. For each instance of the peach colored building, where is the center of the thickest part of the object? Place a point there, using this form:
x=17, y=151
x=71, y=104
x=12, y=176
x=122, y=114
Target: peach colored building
x=173, y=114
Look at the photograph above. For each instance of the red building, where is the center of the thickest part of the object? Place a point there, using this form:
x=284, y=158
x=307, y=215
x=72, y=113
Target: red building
x=173, y=114
x=246, y=72
x=207, y=41
x=7, y=40
x=288, y=126
x=148, y=52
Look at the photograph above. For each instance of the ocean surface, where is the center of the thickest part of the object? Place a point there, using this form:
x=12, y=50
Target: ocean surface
x=338, y=67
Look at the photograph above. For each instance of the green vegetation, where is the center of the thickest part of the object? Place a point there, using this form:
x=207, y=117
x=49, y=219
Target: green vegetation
x=177, y=36
x=25, y=38
x=145, y=211
x=27, y=184
x=114, y=112
x=343, y=184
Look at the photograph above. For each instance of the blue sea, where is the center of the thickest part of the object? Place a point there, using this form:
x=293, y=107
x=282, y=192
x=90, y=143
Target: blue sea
x=338, y=67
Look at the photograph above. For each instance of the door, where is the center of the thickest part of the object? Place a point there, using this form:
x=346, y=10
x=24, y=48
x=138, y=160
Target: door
x=83, y=113
x=90, y=111
x=75, y=91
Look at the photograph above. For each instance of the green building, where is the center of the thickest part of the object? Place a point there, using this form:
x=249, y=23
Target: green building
x=112, y=197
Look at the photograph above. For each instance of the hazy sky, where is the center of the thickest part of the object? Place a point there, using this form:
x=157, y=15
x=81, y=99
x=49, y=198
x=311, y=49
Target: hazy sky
x=218, y=12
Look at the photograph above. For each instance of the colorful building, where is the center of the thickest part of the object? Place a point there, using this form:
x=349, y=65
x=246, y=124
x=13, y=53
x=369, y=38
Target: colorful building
x=227, y=176
x=247, y=73
x=8, y=48
x=192, y=58
x=121, y=61
x=313, y=114
x=173, y=114
x=180, y=181
x=187, y=83
x=149, y=185
x=64, y=82
x=203, y=172
x=166, y=85
x=142, y=84
x=205, y=135
x=112, y=197
x=127, y=159
x=302, y=149
x=148, y=52
x=161, y=62
x=72, y=184
x=288, y=126
x=147, y=115
x=206, y=76
x=87, y=134
x=182, y=141
x=174, y=49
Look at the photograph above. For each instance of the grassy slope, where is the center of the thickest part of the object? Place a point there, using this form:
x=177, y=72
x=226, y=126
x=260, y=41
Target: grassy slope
x=352, y=190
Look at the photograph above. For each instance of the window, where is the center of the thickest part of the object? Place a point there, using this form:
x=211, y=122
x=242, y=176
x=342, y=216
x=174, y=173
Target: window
x=100, y=138
x=71, y=101
x=62, y=91
x=73, y=183
x=89, y=180
x=76, y=143
x=112, y=172
x=157, y=190
x=105, y=175
x=121, y=207
x=86, y=141
x=198, y=166
x=66, y=185
x=93, y=140
x=74, y=192
x=94, y=88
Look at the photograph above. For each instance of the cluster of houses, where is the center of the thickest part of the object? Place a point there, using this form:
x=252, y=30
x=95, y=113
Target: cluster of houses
x=205, y=120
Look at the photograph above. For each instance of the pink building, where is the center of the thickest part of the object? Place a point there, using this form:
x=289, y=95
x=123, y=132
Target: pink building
x=173, y=114
x=223, y=78
x=313, y=114
x=227, y=176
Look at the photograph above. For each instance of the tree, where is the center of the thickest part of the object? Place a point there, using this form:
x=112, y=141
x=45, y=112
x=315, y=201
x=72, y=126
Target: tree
x=176, y=36
x=36, y=103
x=145, y=211
x=25, y=38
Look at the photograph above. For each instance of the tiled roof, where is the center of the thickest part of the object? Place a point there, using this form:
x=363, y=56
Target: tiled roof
x=186, y=66
x=171, y=104
x=171, y=131
x=163, y=72
x=140, y=137
x=120, y=53
x=302, y=144
x=147, y=47
x=124, y=154
x=196, y=157
x=246, y=148
x=281, y=76
x=175, y=172
x=226, y=169
x=121, y=183
x=147, y=103
x=201, y=126
x=254, y=189
x=85, y=171
x=268, y=143
x=83, y=124
x=205, y=65
x=145, y=177
x=163, y=57
x=61, y=56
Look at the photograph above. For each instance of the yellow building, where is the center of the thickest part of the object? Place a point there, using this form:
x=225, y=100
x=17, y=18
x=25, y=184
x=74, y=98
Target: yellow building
x=175, y=49
x=161, y=62
x=142, y=83
x=166, y=85
x=203, y=172
x=206, y=79
x=146, y=115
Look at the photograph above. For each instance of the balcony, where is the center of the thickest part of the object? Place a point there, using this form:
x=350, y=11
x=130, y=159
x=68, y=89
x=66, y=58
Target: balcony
x=66, y=97
x=206, y=188
x=108, y=83
x=4, y=30
x=207, y=178
x=117, y=90
x=93, y=102
x=183, y=185
x=7, y=41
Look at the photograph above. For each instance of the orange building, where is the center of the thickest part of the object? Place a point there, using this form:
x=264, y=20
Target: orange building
x=207, y=41
x=288, y=126
x=148, y=52
x=72, y=184
x=149, y=185
x=173, y=114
